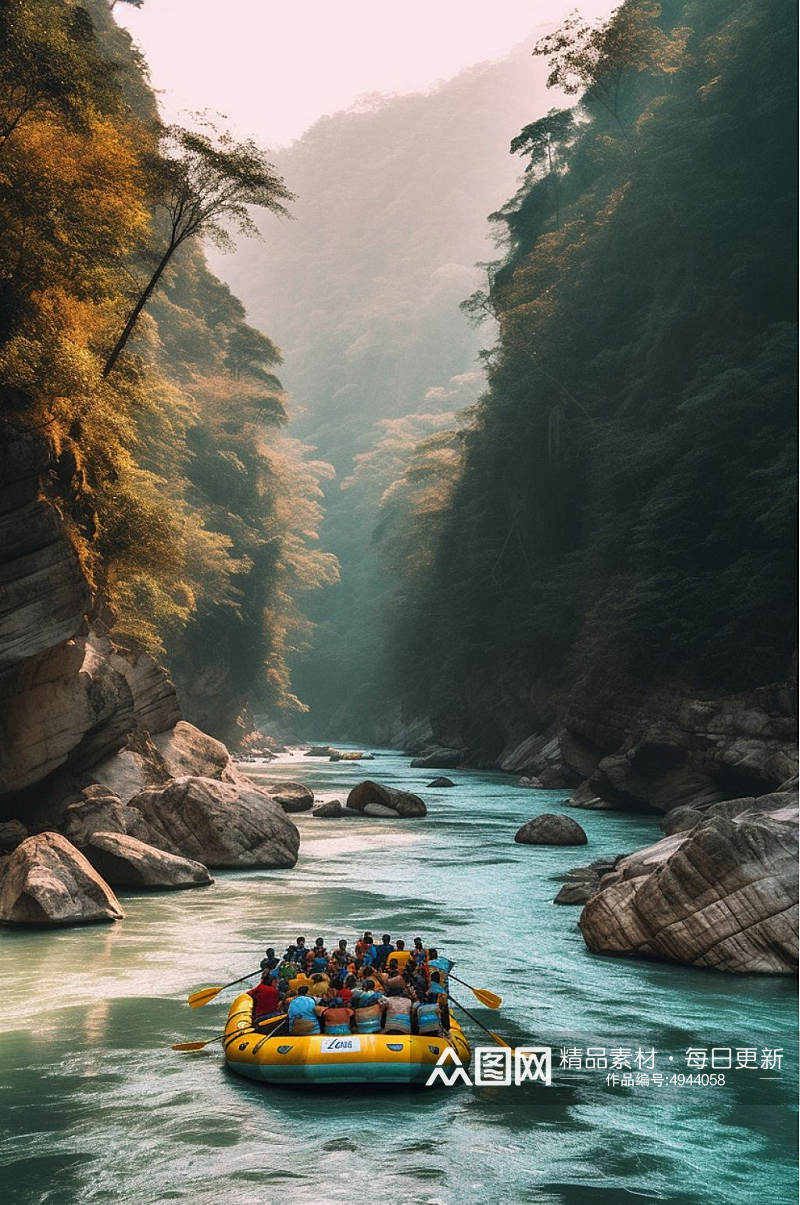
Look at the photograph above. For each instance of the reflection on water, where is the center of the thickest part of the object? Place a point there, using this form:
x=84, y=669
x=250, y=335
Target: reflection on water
x=95, y=1107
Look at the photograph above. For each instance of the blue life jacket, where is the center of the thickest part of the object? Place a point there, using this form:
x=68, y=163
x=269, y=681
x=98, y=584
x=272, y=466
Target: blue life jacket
x=428, y=1018
x=371, y=1001
x=383, y=953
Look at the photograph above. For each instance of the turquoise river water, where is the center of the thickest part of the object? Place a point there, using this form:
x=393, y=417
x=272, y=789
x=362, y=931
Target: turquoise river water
x=95, y=1107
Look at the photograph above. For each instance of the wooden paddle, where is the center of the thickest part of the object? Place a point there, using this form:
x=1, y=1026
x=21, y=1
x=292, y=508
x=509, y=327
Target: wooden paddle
x=494, y=1036
x=206, y=994
x=184, y=1047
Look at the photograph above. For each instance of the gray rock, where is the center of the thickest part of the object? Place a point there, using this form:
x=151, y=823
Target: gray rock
x=332, y=807
x=680, y=820
x=538, y=757
x=373, y=799
x=100, y=810
x=292, y=796
x=550, y=829
x=45, y=593
x=124, y=861
x=658, y=749
x=439, y=758
x=578, y=891
x=153, y=696
x=219, y=824
x=12, y=834
x=441, y=782
x=75, y=706
x=138, y=764
x=722, y=895
x=186, y=751
x=582, y=882
x=319, y=751
x=47, y=881
x=584, y=797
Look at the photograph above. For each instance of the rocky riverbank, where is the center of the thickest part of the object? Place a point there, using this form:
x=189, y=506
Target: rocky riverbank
x=721, y=889
x=623, y=745
x=102, y=784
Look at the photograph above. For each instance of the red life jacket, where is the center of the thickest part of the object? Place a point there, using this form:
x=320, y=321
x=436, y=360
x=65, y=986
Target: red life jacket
x=266, y=1000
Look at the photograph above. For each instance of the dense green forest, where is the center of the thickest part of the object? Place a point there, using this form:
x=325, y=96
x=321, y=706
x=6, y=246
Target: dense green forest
x=623, y=495
x=362, y=292
x=194, y=517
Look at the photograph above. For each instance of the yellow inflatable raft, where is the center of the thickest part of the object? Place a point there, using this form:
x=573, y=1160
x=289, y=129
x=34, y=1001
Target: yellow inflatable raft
x=373, y=1058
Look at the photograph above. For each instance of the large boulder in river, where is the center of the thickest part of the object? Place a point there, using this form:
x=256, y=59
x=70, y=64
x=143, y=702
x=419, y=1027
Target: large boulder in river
x=550, y=829
x=218, y=823
x=125, y=862
x=439, y=759
x=441, y=782
x=47, y=881
x=373, y=799
x=329, y=810
x=188, y=751
x=722, y=895
x=100, y=810
x=145, y=761
x=292, y=796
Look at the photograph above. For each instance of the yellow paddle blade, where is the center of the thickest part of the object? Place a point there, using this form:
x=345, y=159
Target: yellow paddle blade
x=192, y=1045
x=204, y=996
x=486, y=997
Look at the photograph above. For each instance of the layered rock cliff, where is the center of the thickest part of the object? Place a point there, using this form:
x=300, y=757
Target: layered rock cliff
x=719, y=893
x=620, y=744
x=92, y=744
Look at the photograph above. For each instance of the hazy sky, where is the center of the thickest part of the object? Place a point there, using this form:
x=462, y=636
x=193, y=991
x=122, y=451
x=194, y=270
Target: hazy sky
x=274, y=66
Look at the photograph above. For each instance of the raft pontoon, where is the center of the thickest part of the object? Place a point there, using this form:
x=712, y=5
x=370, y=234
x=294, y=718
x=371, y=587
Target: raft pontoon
x=374, y=1058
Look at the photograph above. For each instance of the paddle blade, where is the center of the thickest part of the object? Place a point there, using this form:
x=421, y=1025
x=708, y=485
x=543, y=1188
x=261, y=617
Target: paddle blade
x=204, y=996
x=183, y=1046
x=500, y=1041
x=486, y=997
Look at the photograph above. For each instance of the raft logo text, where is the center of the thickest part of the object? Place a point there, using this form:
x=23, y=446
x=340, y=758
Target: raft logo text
x=495, y=1068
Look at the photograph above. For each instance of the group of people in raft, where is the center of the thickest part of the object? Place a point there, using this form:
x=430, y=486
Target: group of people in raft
x=376, y=988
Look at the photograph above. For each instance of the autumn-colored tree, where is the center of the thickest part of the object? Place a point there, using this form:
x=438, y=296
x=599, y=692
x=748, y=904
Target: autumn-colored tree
x=49, y=62
x=190, y=524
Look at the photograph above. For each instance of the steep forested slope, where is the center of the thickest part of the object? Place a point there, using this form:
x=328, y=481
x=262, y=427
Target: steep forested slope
x=362, y=291
x=623, y=511
x=193, y=518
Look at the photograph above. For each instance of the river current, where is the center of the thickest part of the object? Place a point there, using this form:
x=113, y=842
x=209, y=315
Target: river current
x=95, y=1107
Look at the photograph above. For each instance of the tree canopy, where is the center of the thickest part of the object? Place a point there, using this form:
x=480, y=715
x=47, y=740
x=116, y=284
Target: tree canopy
x=194, y=516
x=625, y=490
